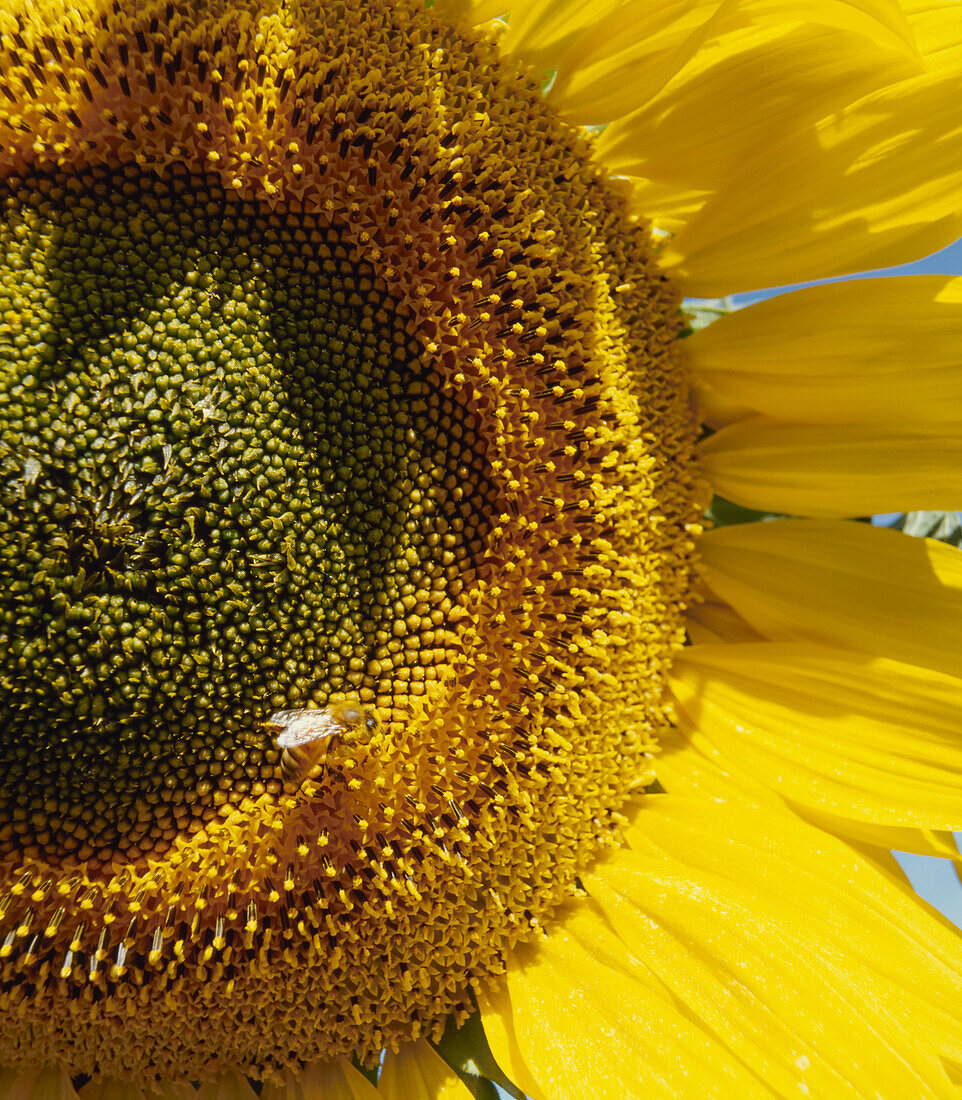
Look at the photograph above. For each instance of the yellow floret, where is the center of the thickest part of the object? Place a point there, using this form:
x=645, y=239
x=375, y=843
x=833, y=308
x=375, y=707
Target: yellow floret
x=336, y=369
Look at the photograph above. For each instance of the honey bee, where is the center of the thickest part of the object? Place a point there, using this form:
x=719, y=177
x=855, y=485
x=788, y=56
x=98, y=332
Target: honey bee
x=302, y=735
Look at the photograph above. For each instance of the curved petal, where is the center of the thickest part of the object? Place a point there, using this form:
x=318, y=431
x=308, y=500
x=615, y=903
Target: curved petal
x=860, y=741
x=109, y=1088
x=36, y=1084
x=589, y=1021
x=498, y=1022
x=833, y=471
x=870, y=185
x=629, y=57
x=168, y=1090
x=823, y=874
x=416, y=1072
x=542, y=31
x=704, y=772
x=737, y=95
x=323, y=1081
x=843, y=353
x=689, y=764
x=842, y=584
x=470, y=12
x=231, y=1086
x=935, y=29
x=772, y=950
x=613, y=57
x=885, y=864
x=715, y=621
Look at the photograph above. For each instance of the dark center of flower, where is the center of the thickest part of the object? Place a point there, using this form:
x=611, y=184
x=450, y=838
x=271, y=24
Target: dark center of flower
x=228, y=486
x=337, y=384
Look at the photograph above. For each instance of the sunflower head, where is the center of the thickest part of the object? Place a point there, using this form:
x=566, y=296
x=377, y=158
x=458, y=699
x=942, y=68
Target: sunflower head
x=346, y=518
x=339, y=397
x=338, y=383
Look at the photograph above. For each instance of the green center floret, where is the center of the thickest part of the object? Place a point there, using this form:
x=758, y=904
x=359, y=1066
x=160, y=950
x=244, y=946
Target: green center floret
x=225, y=480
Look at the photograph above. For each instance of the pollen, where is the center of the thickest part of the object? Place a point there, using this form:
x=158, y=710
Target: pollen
x=337, y=381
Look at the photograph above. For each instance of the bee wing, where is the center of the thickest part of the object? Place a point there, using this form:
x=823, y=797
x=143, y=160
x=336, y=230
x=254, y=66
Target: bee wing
x=300, y=727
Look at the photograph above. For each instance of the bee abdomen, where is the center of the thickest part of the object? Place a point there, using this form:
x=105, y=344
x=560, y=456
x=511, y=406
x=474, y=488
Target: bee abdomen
x=304, y=736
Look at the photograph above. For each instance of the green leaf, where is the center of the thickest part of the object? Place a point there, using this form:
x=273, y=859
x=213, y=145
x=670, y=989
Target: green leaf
x=370, y=1074
x=466, y=1051
x=722, y=513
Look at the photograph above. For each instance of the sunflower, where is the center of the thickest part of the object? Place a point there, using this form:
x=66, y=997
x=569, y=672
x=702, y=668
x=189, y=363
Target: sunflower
x=375, y=700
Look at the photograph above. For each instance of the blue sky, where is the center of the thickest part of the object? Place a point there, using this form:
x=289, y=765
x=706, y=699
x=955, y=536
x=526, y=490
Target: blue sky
x=934, y=879
x=946, y=262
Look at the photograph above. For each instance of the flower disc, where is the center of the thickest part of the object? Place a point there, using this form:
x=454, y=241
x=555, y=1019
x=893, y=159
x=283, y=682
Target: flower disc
x=336, y=376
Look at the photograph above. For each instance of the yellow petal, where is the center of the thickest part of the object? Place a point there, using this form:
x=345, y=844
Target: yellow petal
x=862, y=740
x=416, y=1072
x=630, y=56
x=870, y=185
x=852, y=889
x=885, y=864
x=769, y=850
x=842, y=584
x=832, y=471
x=46, y=1084
x=231, y=1086
x=589, y=1022
x=935, y=29
x=710, y=952
x=470, y=12
x=844, y=353
x=108, y=1088
x=700, y=770
x=668, y=206
x=713, y=621
x=881, y=21
x=612, y=57
x=499, y=1030
x=168, y=1090
x=737, y=94
x=775, y=953
x=937, y=843
x=542, y=31
x=323, y=1081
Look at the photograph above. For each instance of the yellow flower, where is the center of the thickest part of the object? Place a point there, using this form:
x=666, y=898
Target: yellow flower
x=350, y=544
